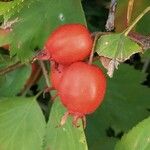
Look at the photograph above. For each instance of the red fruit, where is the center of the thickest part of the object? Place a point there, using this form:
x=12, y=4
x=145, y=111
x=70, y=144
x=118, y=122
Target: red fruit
x=56, y=74
x=4, y=32
x=68, y=43
x=82, y=89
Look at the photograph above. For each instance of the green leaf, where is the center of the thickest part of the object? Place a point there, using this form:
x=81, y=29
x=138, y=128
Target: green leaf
x=143, y=25
x=6, y=61
x=11, y=83
x=125, y=104
x=146, y=54
x=116, y=46
x=8, y=9
x=31, y=31
x=22, y=124
x=66, y=137
x=136, y=139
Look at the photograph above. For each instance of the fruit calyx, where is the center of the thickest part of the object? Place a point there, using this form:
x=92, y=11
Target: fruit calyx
x=75, y=120
x=42, y=55
x=56, y=74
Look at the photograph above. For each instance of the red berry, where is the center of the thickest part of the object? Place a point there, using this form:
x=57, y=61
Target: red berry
x=56, y=74
x=82, y=88
x=68, y=43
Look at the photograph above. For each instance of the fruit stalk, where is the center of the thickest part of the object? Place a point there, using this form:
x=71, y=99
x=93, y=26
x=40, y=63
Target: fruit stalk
x=45, y=73
x=11, y=68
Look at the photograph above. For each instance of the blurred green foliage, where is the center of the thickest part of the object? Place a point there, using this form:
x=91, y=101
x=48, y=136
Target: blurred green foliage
x=126, y=102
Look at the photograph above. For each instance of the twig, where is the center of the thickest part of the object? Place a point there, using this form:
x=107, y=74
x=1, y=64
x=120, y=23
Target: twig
x=45, y=73
x=96, y=35
x=129, y=11
x=32, y=80
x=11, y=68
x=111, y=16
x=136, y=21
x=92, y=52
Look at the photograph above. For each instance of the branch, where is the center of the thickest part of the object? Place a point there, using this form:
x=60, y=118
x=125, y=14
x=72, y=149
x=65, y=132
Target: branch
x=11, y=68
x=129, y=11
x=111, y=16
x=45, y=73
x=31, y=81
x=96, y=36
x=93, y=48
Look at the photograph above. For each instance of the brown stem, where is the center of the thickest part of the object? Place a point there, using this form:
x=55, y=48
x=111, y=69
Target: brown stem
x=11, y=68
x=93, y=48
x=46, y=90
x=32, y=80
x=84, y=122
x=111, y=16
x=45, y=73
x=129, y=11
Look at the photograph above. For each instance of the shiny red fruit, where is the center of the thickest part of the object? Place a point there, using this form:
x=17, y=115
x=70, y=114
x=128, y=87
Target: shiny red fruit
x=56, y=73
x=69, y=43
x=82, y=88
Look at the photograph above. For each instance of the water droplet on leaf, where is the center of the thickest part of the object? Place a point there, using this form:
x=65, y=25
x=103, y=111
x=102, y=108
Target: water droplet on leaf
x=61, y=17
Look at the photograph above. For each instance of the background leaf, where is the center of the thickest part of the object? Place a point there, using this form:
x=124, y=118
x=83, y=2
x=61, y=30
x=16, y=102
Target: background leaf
x=146, y=54
x=22, y=124
x=66, y=137
x=137, y=138
x=31, y=31
x=143, y=25
x=125, y=104
x=11, y=83
x=6, y=61
x=8, y=9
